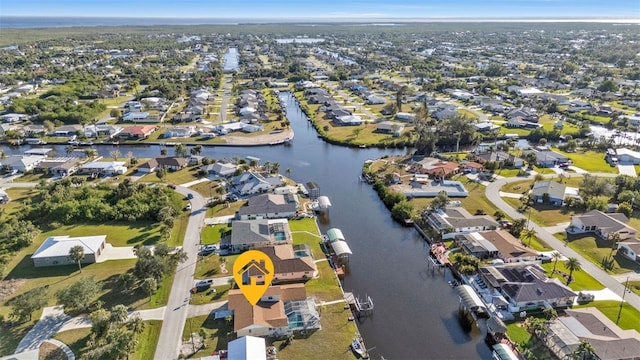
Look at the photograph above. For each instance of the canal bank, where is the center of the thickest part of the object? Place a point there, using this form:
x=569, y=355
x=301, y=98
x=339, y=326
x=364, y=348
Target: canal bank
x=415, y=311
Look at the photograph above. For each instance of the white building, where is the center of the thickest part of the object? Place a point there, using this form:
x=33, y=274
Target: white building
x=55, y=250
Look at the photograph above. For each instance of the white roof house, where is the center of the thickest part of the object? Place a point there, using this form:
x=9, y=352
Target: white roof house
x=247, y=348
x=628, y=156
x=55, y=250
x=104, y=167
x=22, y=163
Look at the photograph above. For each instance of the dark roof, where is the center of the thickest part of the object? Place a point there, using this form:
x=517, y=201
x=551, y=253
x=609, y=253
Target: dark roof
x=268, y=204
x=284, y=260
x=172, y=161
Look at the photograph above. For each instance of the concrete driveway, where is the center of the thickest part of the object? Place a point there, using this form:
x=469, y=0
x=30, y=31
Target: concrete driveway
x=627, y=169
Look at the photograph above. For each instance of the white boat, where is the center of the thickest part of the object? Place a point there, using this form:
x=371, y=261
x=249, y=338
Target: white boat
x=357, y=347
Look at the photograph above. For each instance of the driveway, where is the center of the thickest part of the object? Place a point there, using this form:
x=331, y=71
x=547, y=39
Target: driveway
x=627, y=169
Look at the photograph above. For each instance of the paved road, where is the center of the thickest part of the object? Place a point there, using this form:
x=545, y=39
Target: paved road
x=492, y=193
x=176, y=314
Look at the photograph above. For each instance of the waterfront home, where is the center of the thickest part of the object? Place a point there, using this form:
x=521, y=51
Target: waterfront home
x=172, y=163
x=67, y=130
x=551, y=192
x=495, y=244
x=269, y=206
x=102, y=130
x=148, y=167
x=21, y=163
x=179, y=132
x=137, y=132
x=59, y=166
x=105, y=168
x=249, y=183
x=291, y=263
x=524, y=286
x=628, y=156
x=508, y=160
x=348, y=120
x=220, y=168
x=547, y=158
x=603, y=225
x=389, y=127
x=456, y=220
x=607, y=339
x=470, y=167
x=279, y=312
x=249, y=234
x=630, y=249
x=55, y=250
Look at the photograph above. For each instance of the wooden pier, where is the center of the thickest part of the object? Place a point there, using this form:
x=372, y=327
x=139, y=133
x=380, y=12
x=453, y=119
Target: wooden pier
x=359, y=307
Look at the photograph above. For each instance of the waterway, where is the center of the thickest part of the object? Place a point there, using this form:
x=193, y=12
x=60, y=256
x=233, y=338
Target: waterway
x=231, y=61
x=415, y=315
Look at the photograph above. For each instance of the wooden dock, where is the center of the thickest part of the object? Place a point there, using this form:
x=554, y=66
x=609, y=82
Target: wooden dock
x=359, y=307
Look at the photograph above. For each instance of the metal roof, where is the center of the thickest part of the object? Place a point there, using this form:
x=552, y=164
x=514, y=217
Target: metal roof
x=469, y=298
x=341, y=247
x=335, y=234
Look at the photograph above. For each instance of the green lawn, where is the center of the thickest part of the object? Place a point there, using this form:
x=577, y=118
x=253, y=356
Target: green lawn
x=581, y=279
x=325, y=287
x=118, y=233
x=634, y=286
x=209, y=266
x=78, y=340
x=595, y=250
x=509, y=172
x=629, y=318
x=17, y=198
x=543, y=171
x=590, y=161
x=543, y=215
x=305, y=231
x=213, y=233
x=519, y=335
x=206, y=297
x=219, y=333
x=224, y=209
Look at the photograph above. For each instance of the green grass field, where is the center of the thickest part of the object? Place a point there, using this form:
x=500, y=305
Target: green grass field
x=596, y=249
x=629, y=318
x=590, y=161
x=581, y=280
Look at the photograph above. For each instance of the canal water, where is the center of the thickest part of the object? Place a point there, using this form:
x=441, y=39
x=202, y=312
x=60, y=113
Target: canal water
x=231, y=61
x=415, y=314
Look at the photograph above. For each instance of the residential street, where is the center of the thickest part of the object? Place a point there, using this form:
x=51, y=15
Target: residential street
x=613, y=283
x=176, y=314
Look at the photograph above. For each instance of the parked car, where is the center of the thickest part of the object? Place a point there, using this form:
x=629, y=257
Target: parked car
x=233, y=198
x=188, y=207
x=189, y=196
x=202, y=285
x=207, y=250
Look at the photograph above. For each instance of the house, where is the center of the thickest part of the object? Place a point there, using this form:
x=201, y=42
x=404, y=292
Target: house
x=627, y=156
x=470, y=167
x=58, y=167
x=547, y=158
x=403, y=116
x=603, y=225
x=348, y=120
x=438, y=169
x=389, y=127
x=247, y=348
x=21, y=163
x=136, y=116
x=249, y=234
x=551, y=192
x=172, y=163
x=291, y=263
x=67, y=130
x=607, y=339
x=524, y=286
x=486, y=126
x=507, y=159
x=102, y=130
x=495, y=244
x=148, y=167
x=269, y=206
x=105, y=168
x=275, y=312
x=456, y=220
x=630, y=249
x=14, y=118
x=249, y=183
x=219, y=168
x=137, y=132
x=55, y=250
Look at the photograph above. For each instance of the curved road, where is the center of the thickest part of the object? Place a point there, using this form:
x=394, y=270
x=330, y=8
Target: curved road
x=175, y=315
x=493, y=194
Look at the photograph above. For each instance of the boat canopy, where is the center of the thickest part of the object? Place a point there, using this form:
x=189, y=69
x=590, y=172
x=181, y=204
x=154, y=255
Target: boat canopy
x=503, y=352
x=496, y=326
x=335, y=234
x=324, y=203
x=341, y=248
x=469, y=298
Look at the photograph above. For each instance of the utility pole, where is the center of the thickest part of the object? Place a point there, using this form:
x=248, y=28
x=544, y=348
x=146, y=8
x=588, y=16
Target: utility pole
x=626, y=284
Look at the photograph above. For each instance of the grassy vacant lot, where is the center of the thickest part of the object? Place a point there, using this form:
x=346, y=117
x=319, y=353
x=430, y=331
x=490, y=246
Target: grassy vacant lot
x=629, y=318
x=118, y=233
x=635, y=286
x=147, y=341
x=325, y=287
x=176, y=177
x=590, y=161
x=334, y=338
x=543, y=215
x=581, y=280
x=224, y=209
x=17, y=198
x=209, y=266
x=219, y=333
x=207, y=188
x=596, y=249
x=213, y=233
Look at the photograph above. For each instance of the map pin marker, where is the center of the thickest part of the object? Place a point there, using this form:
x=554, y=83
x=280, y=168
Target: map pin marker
x=253, y=271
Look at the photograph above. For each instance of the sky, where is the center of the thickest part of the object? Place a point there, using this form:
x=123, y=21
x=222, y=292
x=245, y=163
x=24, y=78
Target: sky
x=327, y=9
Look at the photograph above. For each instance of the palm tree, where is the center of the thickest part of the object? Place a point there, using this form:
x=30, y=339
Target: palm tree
x=572, y=265
x=584, y=351
x=555, y=256
x=529, y=234
x=288, y=172
x=119, y=314
x=136, y=324
x=76, y=253
x=614, y=238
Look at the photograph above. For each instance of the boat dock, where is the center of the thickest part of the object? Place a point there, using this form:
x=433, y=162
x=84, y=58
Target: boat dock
x=359, y=307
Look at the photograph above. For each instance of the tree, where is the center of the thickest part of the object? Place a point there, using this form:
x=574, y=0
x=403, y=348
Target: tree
x=115, y=154
x=531, y=158
x=608, y=86
x=119, y=314
x=181, y=150
x=76, y=253
x=555, y=256
x=163, y=152
x=572, y=264
x=614, y=238
x=149, y=286
x=80, y=294
x=160, y=173
x=517, y=227
x=529, y=234
x=125, y=281
x=440, y=201
x=25, y=304
x=550, y=313
x=584, y=351
x=90, y=153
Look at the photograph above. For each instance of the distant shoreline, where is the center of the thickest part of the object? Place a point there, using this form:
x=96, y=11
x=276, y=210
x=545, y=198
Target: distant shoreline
x=41, y=22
